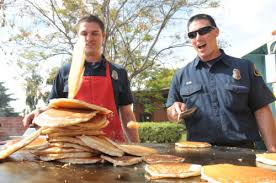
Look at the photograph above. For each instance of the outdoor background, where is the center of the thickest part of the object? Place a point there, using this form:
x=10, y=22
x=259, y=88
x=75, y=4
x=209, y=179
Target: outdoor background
x=147, y=37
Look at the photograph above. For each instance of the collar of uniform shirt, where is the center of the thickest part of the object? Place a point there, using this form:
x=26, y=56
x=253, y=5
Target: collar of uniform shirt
x=198, y=62
x=95, y=65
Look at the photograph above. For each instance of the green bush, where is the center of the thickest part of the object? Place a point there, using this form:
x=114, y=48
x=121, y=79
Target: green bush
x=160, y=132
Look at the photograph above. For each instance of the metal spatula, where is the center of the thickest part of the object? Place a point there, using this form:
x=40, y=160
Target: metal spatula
x=187, y=113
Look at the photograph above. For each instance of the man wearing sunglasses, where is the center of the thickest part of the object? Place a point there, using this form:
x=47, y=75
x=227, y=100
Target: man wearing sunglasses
x=229, y=93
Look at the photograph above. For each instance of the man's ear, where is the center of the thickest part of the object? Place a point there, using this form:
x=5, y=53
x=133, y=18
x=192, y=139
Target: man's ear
x=217, y=31
x=104, y=36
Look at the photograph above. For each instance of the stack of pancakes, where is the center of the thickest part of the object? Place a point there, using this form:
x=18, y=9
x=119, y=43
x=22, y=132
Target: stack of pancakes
x=74, y=135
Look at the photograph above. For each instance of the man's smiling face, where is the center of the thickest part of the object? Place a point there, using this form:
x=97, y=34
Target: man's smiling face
x=206, y=44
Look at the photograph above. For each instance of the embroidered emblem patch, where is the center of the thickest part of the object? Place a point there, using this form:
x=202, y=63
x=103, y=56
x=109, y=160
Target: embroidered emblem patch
x=236, y=74
x=256, y=72
x=114, y=75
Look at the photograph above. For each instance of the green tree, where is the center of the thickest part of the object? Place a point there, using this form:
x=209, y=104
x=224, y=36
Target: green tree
x=44, y=31
x=156, y=84
x=5, y=99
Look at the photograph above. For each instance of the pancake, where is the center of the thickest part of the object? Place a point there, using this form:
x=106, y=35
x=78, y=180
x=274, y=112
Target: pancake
x=162, y=158
x=101, y=144
x=70, y=145
x=75, y=133
x=191, y=150
x=76, y=104
x=39, y=143
x=22, y=143
x=122, y=161
x=63, y=117
x=172, y=170
x=266, y=166
x=137, y=150
x=77, y=68
x=90, y=160
x=51, y=157
x=58, y=150
x=73, y=140
x=233, y=173
x=267, y=158
x=133, y=125
x=98, y=122
x=194, y=144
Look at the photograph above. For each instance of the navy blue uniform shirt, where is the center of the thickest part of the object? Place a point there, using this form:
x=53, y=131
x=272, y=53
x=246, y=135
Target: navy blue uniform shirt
x=225, y=104
x=121, y=86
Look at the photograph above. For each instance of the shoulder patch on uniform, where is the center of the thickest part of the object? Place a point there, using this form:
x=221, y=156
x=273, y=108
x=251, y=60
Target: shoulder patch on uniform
x=256, y=72
x=114, y=75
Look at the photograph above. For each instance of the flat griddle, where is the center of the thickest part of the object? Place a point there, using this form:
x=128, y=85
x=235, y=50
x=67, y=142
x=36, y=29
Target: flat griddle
x=23, y=167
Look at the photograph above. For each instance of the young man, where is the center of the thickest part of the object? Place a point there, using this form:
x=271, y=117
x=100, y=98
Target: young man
x=230, y=95
x=104, y=83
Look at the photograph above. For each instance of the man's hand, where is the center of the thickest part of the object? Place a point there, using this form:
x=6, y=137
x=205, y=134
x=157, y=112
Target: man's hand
x=267, y=127
x=127, y=115
x=28, y=119
x=175, y=110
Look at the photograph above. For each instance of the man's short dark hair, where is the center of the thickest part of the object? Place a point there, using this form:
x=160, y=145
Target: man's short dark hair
x=202, y=17
x=91, y=18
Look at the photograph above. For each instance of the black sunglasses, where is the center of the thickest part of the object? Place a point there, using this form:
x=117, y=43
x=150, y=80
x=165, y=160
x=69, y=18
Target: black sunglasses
x=201, y=31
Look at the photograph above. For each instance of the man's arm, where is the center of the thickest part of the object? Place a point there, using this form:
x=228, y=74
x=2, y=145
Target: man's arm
x=128, y=115
x=267, y=127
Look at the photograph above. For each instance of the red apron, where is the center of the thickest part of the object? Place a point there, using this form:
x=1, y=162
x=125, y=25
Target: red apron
x=98, y=90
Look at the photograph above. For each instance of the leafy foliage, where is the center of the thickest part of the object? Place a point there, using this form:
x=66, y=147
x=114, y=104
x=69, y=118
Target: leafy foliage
x=45, y=32
x=156, y=84
x=160, y=132
x=5, y=99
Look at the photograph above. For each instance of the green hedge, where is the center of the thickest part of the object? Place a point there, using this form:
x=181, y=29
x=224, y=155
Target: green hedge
x=160, y=132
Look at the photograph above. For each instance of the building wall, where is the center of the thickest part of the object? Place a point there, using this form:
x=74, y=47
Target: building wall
x=11, y=126
x=156, y=116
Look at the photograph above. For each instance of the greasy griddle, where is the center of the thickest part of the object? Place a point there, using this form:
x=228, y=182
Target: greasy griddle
x=24, y=168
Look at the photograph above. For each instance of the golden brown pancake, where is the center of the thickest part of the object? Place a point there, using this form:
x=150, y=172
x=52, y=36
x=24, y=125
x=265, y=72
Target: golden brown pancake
x=63, y=117
x=185, y=144
x=122, y=161
x=101, y=144
x=58, y=150
x=90, y=160
x=50, y=157
x=191, y=150
x=266, y=166
x=225, y=173
x=267, y=158
x=133, y=125
x=162, y=158
x=172, y=170
x=67, y=139
x=76, y=104
x=77, y=68
x=98, y=122
x=37, y=144
x=22, y=143
x=70, y=145
x=75, y=133
x=137, y=150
